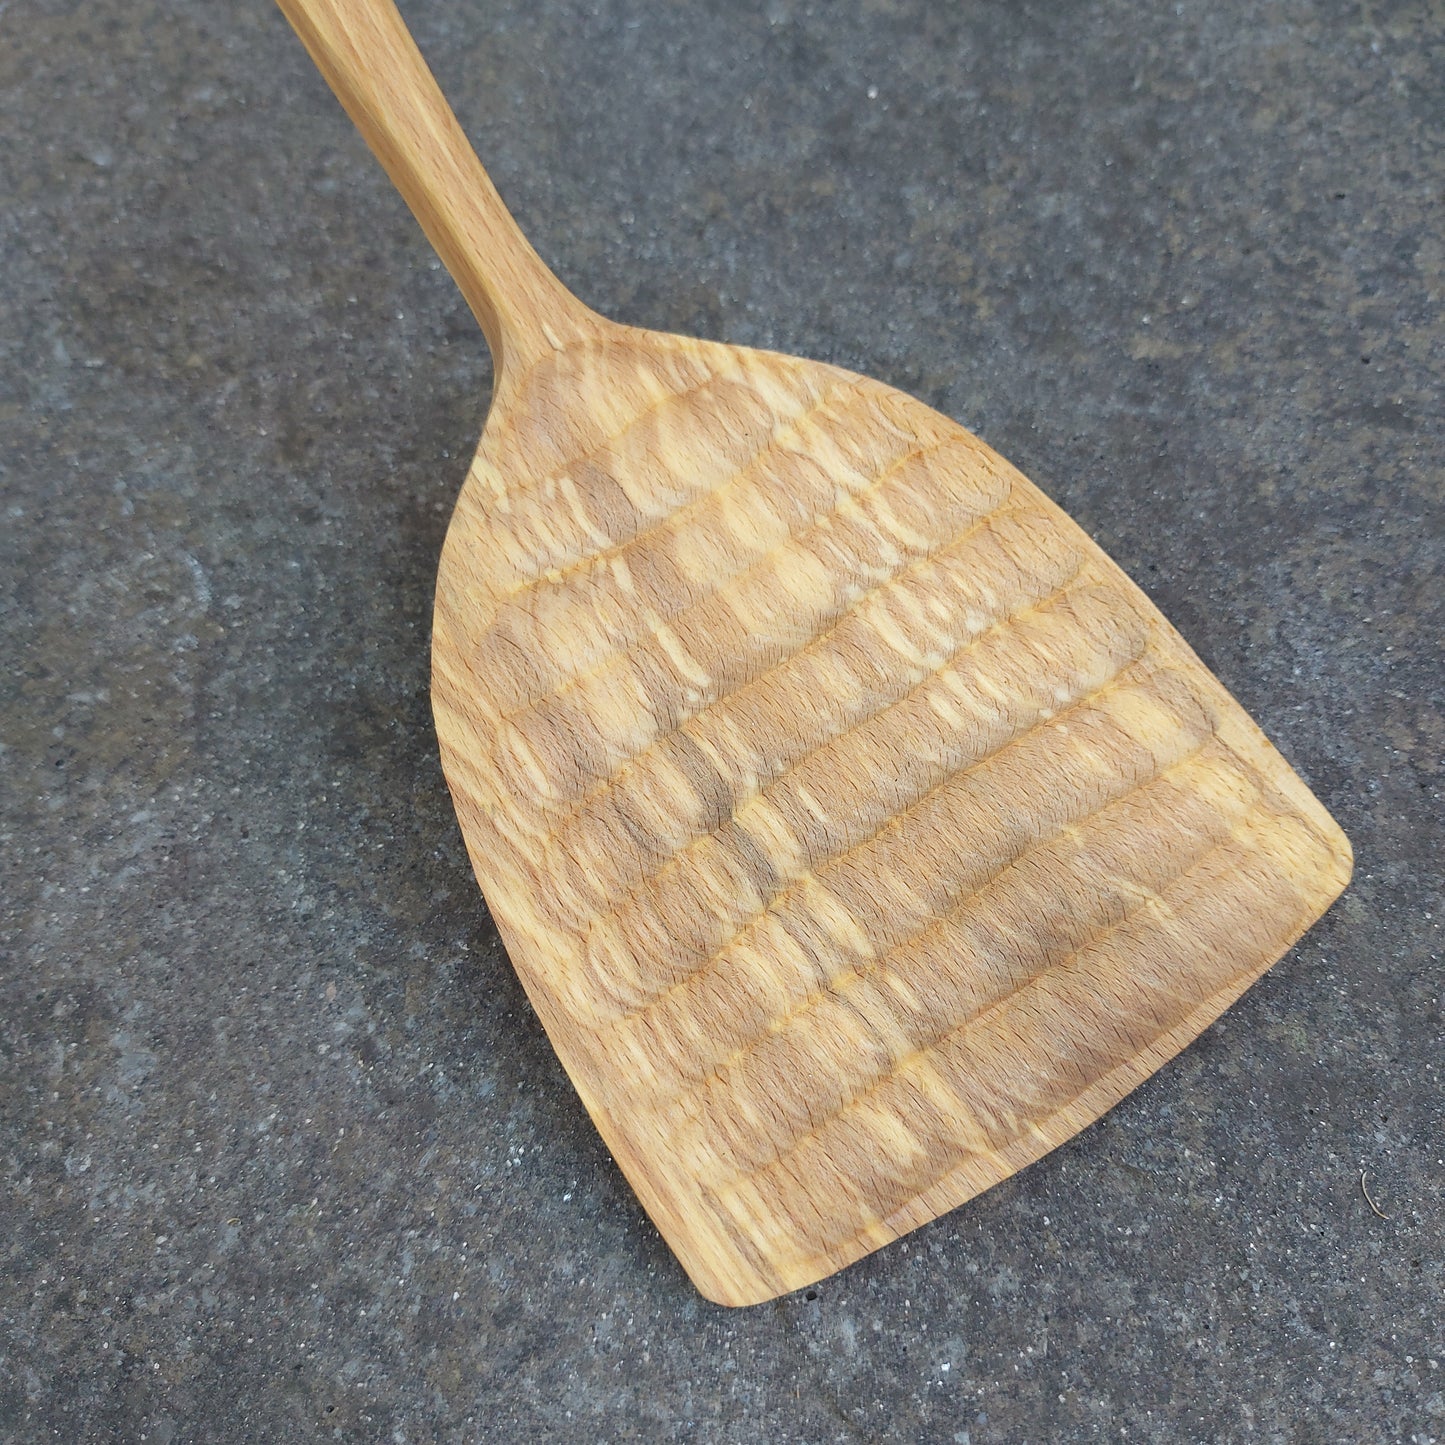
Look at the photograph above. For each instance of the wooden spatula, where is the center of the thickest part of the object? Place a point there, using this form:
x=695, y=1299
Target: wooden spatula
x=858, y=830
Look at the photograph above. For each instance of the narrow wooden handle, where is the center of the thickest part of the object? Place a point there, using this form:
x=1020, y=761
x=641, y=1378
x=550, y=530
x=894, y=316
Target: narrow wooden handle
x=369, y=59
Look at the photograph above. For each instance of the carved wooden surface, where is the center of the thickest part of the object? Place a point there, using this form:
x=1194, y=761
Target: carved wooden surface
x=859, y=831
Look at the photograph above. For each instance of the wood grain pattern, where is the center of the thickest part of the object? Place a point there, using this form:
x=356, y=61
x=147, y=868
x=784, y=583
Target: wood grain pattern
x=858, y=830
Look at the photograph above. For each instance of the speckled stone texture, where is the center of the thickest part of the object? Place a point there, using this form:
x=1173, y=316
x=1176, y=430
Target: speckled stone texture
x=286, y=1157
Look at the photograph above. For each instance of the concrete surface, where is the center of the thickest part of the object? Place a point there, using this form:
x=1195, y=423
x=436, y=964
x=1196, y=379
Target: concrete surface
x=285, y=1156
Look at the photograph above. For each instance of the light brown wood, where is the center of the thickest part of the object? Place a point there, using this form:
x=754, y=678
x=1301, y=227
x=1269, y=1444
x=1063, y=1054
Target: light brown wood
x=858, y=830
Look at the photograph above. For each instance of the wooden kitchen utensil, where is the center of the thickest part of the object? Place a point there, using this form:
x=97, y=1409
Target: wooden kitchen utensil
x=858, y=830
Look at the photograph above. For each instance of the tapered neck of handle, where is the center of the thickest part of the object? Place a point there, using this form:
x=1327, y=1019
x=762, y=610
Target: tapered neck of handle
x=369, y=59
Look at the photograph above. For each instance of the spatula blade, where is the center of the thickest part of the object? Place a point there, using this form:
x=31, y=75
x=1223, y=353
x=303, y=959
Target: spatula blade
x=858, y=830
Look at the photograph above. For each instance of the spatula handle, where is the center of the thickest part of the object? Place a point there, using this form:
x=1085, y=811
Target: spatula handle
x=369, y=59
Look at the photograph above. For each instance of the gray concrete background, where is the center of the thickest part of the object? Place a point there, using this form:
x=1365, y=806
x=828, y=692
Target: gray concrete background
x=285, y=1155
